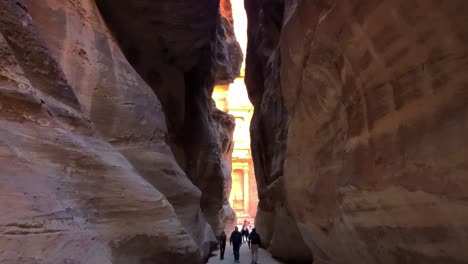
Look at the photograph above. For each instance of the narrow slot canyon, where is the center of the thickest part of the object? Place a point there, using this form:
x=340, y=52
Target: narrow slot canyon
x=135, y=132
x=232, y=98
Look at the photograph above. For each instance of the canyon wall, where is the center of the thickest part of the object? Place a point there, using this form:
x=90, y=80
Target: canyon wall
x=359, y=131
x=181, y=58
x=225, y=125
x=269, y=131
x=100, y=165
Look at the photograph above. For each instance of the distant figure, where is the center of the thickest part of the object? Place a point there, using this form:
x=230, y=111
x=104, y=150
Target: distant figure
x=254, y=243
x=222, y=244
x=245, y=233
x=236, y=241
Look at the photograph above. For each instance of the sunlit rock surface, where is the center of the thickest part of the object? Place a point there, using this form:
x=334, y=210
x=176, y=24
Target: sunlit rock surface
x=86, y=172
x=373, y=96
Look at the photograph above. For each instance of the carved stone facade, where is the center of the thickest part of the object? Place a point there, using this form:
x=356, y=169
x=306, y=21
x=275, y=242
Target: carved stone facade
x=233, y=99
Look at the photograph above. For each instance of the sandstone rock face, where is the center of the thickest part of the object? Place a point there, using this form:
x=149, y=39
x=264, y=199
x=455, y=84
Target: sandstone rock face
x=228, y=65
x=86, y=171
x=269, y=131
x=376, y=98
x=225, y=127
x=181, y=60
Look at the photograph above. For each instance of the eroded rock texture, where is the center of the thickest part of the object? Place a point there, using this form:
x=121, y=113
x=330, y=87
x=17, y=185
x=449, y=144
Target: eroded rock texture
x=225, y=124
x=376, y=114
x=269, y=131
x=87, y=169
x=182, y=57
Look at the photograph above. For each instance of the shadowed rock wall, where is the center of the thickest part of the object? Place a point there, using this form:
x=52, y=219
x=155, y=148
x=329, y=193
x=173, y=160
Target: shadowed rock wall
x=181, y=58
x=269, y=131
x=374, y=98
x=87, y=165
x=225, y=125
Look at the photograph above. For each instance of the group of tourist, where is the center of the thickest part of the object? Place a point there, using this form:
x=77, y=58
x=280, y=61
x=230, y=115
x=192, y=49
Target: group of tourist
x=237, y=239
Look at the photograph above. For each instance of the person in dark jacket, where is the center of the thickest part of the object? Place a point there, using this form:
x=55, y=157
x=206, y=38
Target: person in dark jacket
x=254, y=243
x=222, y=244
x=236, y=241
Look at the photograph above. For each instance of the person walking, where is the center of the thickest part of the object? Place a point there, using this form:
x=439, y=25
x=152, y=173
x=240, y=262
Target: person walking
x=222, y=245
x=254, y=243
x=245, y=234
x=236, y=241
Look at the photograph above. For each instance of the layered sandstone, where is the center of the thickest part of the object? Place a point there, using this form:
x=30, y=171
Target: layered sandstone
x=269, y=131
x=87, y=165
x=373, y=98
x=181, y=58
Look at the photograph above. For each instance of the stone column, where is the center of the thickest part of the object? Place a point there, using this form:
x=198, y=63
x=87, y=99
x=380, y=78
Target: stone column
x=246, y=190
